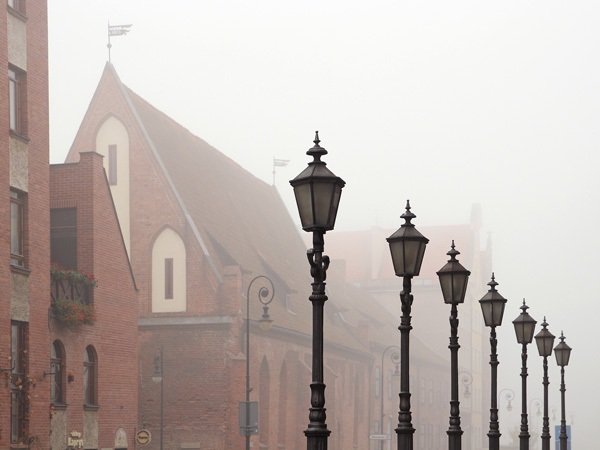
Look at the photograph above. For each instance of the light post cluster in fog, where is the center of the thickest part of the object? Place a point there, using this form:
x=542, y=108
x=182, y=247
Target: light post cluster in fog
x=317, y=191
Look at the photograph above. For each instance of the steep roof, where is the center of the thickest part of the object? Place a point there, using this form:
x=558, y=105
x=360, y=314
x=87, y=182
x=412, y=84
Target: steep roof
x=242, y=220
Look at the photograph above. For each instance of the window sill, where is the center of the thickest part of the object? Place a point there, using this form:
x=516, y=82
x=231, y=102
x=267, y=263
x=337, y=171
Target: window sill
x=58, y=406
x=91, y=407
x=20, y=269
x=19, y=136
x=18, y=14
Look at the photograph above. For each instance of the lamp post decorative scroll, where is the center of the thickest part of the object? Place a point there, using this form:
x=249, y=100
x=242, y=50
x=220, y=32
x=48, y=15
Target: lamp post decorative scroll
x=453, y=281
x=562, y=352
x=317, y=191
x=265, y=295
x=545, y=341
x=492, y=307
x=407, y=248
x=524, y=328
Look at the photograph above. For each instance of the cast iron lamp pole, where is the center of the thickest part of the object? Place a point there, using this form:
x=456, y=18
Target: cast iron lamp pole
x=394, y=357
x=562, y=352
x=545, y=340
x=317, y=191
x=524, y=328
x=158, y=377
x=407, y=246
x=265, y=296
x=453, y=281
x=492, y=307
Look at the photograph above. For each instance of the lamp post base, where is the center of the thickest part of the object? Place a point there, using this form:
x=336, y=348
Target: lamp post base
x=405, y=438
x=317, y=439
x=454, y=439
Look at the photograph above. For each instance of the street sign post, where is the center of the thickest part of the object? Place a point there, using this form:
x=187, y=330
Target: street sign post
x=248, y=418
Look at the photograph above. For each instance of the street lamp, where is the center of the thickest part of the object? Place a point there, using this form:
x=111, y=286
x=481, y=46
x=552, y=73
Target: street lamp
x=407, y=247
x=158, y=377
x=317, y=191
x=395, y=357
x=509, y=396
x=492, y=307
x=265, y=296
x=545, y=341
x=524, y=328
x=453, y=281
x=562, y=352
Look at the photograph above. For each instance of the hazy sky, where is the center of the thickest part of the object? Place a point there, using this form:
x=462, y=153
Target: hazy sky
x=445, y=103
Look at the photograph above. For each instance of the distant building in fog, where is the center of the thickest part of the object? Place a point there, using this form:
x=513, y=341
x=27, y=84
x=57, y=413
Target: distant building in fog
x=369, y=266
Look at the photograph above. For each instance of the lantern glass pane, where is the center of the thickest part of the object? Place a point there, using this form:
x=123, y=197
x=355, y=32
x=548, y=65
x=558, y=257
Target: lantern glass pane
x=419, y=261
x=304, y=202
x=323, y=196
x=499, y=313
x=337, y=193
x=460, y=287
x=487, y=309
x=528, y=330
x=446, y=285
x=397, y=252
x=519, y=331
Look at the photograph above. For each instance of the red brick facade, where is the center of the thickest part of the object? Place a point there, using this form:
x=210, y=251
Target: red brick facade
x=203, y=351
x=101, y=252
x=24, y=166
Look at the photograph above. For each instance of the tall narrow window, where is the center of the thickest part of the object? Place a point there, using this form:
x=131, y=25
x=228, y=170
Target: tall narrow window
x=17, y=101
x=90, y=376
x=112, y=164
x=57, y=373
x=17, y=216
x=168, y=278
x=18, y=383
x=63, y=237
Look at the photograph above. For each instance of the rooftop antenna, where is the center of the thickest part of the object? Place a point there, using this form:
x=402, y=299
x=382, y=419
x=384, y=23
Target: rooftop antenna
x=278, y=163
x=116, y=30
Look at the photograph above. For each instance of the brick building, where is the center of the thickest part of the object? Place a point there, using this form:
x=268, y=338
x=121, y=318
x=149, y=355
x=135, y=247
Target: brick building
x=24, y=245
x=198, y=228
x=93, y=334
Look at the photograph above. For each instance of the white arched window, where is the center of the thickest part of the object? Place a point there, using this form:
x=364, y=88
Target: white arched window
x=168, y=273
x=112, y=142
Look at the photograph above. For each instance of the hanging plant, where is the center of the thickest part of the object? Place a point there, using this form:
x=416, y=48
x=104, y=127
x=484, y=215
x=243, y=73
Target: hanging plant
x=72, y=313
x=74, y=276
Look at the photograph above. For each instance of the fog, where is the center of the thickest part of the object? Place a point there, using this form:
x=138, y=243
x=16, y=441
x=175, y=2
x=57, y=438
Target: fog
x=446, y=103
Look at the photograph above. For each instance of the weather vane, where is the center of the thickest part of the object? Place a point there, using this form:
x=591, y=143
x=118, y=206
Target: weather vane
x=278, y=163
x=116, y=30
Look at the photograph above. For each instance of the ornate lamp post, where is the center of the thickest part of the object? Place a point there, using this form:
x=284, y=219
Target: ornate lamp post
x=317, y=191
x=492, y=307
x=524, y=328
x=453, y=281
x=545, y=340
x=562, y=352
x=265, y=296
x=157, y=377
x=407, y=246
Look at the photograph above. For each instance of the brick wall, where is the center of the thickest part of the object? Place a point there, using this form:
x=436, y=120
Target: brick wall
x=101, y=251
